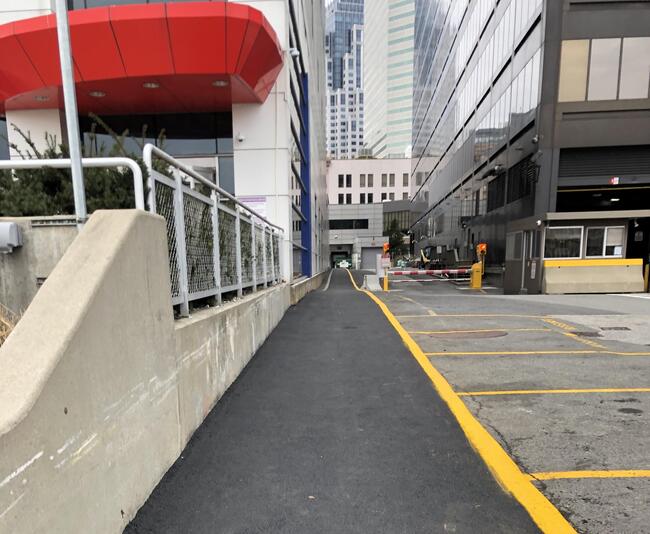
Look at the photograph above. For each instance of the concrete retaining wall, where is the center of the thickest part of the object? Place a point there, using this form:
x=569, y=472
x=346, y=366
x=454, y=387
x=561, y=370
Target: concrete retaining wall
x=302, y=287
x=45, y=241
x=100, y=389
x=593, y=276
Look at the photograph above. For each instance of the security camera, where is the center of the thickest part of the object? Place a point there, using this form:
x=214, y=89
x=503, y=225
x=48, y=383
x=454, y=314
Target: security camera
x=539, y=223
x=535, y=139
x=241, y=138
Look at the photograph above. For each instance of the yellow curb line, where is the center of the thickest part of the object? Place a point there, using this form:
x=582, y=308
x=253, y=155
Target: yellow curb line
x=503, y=468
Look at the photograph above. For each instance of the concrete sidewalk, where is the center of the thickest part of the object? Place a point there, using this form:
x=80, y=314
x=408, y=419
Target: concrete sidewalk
x=332, y=427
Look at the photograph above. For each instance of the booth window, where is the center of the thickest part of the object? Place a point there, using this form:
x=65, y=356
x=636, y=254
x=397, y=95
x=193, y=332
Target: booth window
x=563, y=242
x=607, y=241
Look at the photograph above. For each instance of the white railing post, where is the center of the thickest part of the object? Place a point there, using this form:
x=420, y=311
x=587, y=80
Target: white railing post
x=181, y=247
x=272, y=256
x=265, y=260
x=216, y=247
x=254, y=256
x=240, y=289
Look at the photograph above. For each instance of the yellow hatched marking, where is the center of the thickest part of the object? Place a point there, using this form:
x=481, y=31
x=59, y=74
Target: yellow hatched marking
x=503, y=468
x=551, y=391
x=559, y=475
x=584, y=341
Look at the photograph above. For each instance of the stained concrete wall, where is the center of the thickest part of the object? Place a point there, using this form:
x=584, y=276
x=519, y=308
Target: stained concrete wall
x=100, y=389
x=45, y=240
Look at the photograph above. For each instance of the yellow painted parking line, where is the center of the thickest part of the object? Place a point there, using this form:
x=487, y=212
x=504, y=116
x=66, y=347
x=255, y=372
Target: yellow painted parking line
x=504, y=469
x=425, y=332
x=537, y=353
x=560, y=475
x=551, y=391
x=465, y=315
x=517, y=353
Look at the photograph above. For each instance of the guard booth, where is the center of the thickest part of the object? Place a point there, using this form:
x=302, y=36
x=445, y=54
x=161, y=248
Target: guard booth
x=578, y=252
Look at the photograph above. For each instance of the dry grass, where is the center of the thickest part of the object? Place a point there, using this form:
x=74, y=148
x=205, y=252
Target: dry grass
x=8, y=320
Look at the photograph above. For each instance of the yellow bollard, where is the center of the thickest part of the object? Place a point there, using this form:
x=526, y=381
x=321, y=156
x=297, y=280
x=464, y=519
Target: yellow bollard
x=476, y=278
x=385, y=279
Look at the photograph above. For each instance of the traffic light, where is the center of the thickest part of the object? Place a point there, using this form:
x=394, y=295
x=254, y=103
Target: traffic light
x=386, y=248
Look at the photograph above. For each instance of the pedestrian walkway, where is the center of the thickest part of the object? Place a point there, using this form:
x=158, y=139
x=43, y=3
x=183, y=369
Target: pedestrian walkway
x=332, y=428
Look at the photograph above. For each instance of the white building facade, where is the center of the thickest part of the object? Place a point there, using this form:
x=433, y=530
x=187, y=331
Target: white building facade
x=368, y=181
x=268, y=140
x=388, y=77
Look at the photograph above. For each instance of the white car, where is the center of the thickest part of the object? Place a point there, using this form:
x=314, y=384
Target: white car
x=344, y=264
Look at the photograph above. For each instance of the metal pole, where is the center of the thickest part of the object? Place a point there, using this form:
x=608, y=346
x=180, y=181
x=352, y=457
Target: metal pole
x=71, y=115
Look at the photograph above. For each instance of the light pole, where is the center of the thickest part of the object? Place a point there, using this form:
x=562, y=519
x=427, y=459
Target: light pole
x=71, y=115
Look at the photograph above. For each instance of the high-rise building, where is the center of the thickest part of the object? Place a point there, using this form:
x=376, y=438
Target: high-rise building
x=344, y=49
x=388, y=77
x=531, y=131
x=251, y=103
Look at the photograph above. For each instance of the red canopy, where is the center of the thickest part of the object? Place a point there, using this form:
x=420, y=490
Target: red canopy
x=154, y=58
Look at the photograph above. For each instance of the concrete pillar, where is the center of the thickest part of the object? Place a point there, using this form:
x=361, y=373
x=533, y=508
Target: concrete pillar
x=262, y=142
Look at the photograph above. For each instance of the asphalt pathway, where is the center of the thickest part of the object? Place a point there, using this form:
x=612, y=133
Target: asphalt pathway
x=334, y=428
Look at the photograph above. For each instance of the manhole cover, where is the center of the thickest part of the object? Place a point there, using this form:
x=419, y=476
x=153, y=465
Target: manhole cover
x=468, y=335
x=614, y=328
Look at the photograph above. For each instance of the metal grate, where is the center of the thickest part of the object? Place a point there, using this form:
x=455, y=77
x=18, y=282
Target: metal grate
x=199, y=239
x=165, y=208
x=269, y=256
x=227, y=249
x=246, y=251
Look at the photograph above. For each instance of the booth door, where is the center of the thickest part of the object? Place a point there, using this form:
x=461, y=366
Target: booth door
x=532, y=264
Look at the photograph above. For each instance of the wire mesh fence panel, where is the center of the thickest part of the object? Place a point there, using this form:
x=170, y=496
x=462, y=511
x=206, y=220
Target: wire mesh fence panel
x=246, y=251
x=227, y=249
x=276, y=257
x=259, y=254
x=165, y=208
x=269, y=256
x=199, y=244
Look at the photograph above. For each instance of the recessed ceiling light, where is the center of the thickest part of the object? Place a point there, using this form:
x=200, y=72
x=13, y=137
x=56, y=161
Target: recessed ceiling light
x=42, y=98
x=220, y=83
x=614, y=199
x=97, y=94
x=151, y=85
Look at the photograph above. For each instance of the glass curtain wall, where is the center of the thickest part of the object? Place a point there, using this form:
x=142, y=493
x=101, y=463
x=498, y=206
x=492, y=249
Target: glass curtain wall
x=477, y=84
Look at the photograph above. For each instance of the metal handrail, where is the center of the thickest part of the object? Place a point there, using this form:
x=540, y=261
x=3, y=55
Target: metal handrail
x=90, y=163
x=147, y=155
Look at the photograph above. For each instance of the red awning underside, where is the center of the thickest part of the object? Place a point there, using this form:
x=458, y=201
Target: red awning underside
x=184, y=48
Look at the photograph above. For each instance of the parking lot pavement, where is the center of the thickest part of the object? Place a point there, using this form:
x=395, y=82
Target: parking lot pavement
x=561, y=382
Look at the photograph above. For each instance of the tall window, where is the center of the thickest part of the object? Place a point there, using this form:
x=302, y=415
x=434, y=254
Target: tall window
x=370, y=195
x=362, y=180
x=405, y=179
x=603, y=69
x=405, y=196
x=384, y=180
x=341, y=181
x=340, y=198
x=348, y=180
x=391, y=179
x=362, y=198
x=391, y=196
x=383, y=197
x=370, y=180
x=348, y=198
